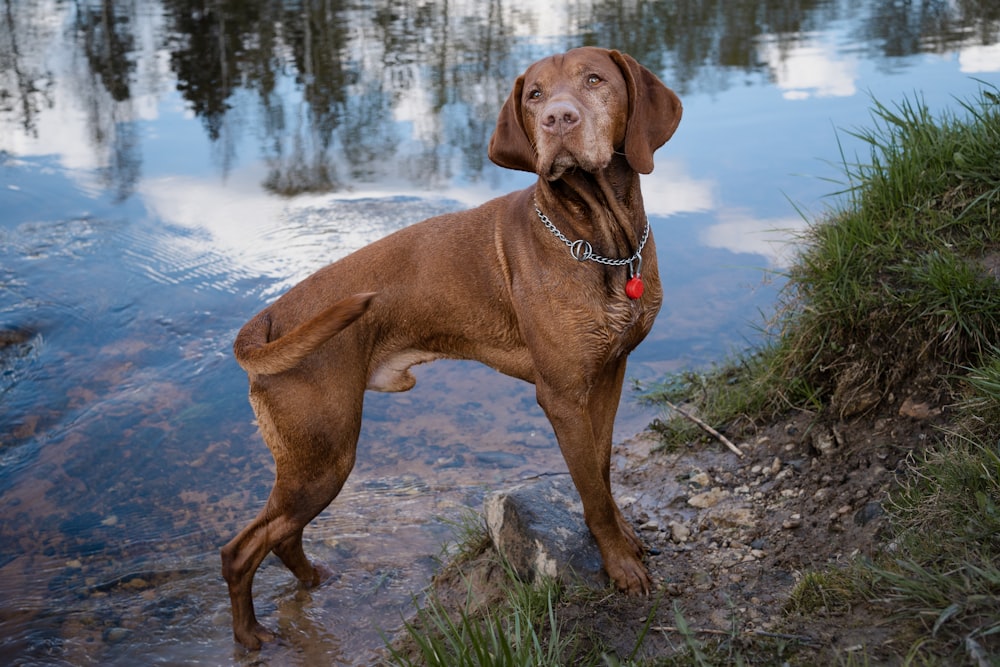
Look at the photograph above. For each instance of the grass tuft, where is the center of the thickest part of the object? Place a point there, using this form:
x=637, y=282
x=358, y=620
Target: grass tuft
x=900, y=280
x=895, y=279
x=521, y=630
x=491, y=638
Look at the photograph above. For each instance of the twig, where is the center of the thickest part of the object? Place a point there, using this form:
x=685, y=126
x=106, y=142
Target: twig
x=700, y=631
x=721, y=438
x=758, y=633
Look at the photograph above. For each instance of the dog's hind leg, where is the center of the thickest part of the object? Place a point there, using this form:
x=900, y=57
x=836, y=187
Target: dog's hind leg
x=277, y=528
x=304, y=486
x=294, y=557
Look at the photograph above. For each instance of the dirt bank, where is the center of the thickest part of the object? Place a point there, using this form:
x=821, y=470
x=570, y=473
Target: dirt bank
x=730, y=539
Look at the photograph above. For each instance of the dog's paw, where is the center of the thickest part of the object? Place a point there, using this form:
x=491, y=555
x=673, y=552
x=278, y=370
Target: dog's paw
x=253, y=637
x=630, y=576
x=321, y=575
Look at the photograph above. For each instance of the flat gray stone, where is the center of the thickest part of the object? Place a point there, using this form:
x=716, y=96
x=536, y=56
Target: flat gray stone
x=538, y=527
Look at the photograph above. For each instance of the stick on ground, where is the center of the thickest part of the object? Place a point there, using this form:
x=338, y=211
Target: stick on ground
x=721, y=438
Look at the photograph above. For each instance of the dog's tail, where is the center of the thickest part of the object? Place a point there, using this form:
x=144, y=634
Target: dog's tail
x=256, y=353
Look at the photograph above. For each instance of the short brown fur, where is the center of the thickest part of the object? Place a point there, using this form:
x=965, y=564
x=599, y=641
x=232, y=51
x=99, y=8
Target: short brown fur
x=490, y=284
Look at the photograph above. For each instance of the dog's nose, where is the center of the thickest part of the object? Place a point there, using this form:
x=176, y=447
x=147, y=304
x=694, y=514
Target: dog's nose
x=560, y=117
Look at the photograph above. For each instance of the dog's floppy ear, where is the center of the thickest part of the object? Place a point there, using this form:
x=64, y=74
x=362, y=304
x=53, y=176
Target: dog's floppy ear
x=653, y=113
x=509, y=145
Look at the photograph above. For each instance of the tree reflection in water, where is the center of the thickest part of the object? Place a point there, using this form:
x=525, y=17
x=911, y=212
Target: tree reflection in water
x=346, y=91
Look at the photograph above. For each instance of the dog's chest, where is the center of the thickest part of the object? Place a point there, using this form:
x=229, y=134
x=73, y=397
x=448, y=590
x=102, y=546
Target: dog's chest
x=625, y=324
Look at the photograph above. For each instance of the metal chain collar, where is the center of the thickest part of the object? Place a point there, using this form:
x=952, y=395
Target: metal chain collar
x=582, y=251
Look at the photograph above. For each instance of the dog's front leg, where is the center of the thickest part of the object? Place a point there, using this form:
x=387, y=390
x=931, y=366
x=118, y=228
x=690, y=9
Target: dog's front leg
x=602, y=408
x=586, y=459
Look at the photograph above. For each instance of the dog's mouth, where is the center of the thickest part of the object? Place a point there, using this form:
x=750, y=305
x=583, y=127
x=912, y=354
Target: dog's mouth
x=559, y=166
x=567, y=160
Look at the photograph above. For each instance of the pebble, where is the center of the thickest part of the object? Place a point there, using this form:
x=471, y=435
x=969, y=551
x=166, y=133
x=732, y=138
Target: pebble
x=868, y=512
x=707, y=499
x=824, y=442
x=737, y=516
x=679, y=532
x=115, y=635
x=914, y=410
x=794, y=521
x=701, y=478
x=136, y=583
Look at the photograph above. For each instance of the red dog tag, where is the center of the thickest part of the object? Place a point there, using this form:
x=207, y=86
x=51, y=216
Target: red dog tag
x=634, y=287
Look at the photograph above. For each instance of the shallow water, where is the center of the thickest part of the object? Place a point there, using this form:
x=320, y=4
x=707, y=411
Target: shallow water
x=166, y=170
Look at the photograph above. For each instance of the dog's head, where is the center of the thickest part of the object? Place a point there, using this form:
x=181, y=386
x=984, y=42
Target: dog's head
x=577, y=109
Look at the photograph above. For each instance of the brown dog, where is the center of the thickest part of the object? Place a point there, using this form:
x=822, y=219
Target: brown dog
x=554, y=285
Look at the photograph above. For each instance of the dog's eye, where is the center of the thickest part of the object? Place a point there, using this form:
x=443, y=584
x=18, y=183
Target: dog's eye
x=593, y=80
x=535, y=94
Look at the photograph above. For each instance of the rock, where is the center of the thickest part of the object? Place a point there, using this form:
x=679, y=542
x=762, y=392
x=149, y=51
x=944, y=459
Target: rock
x=679, y=532
x=707, y=499
x=824, y=441
x=115, y=635
x=702, y=479
x=868, y=512
x=539, y=529
x=733, y=517
x=910, y=408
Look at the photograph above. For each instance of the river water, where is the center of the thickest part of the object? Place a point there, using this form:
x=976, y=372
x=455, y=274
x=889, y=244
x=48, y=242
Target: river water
x=168, y=167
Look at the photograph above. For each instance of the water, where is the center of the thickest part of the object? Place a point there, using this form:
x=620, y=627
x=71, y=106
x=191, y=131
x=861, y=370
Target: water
x=167, y=168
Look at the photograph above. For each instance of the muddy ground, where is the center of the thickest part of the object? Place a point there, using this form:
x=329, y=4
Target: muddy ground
x=730, y=538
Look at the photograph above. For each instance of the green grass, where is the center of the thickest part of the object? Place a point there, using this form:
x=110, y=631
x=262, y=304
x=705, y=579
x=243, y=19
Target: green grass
x=521, y=630
x=894, y=280
x=524, y=631
x=890, y=284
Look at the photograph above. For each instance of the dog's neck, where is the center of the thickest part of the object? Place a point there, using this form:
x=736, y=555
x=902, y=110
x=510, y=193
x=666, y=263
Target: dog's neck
x=604, y=208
